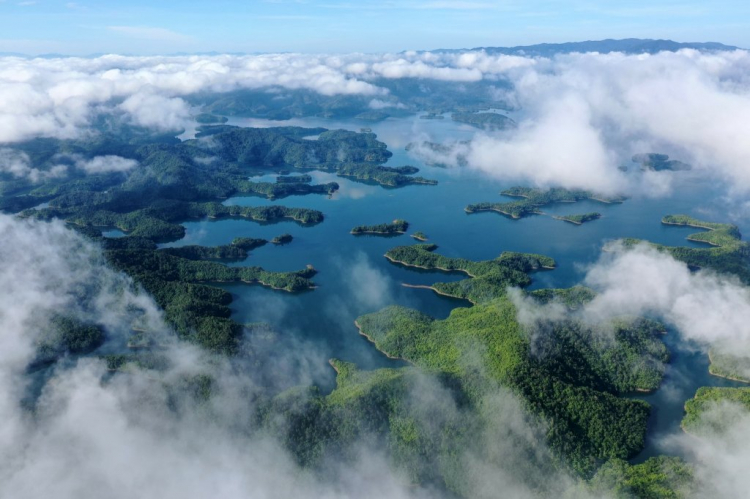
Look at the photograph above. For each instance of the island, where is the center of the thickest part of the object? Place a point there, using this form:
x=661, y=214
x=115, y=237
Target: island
x=579, y=219
x=372, y=116
x=210, y=119
x=169, y=170
x=282, y=239
x=534, y=199
x=283, y=189
x=487, y=121
x=420, y=236
x=660, y=162
x=396, y=227
x=488, y=279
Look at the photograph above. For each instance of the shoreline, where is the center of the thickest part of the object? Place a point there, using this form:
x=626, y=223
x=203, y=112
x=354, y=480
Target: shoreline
x=427, y=268
x=369, y=338
x=690, y=238
x=424, y=286
x=514, y=217
x=711, y=363
x=567, y=220
x=381, y=233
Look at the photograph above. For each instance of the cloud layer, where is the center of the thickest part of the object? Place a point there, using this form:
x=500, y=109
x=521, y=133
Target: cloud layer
x=580, y=115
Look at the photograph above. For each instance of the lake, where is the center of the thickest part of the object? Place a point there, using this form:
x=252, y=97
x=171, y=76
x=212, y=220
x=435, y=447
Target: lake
x=354, y=277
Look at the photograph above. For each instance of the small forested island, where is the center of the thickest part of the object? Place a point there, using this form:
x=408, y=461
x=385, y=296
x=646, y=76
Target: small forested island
x=533, y=199
x=284, y=188
x=579, y=219
x=432, y=116
x=282, y=239
x=659, y=162
x=398, y=226
x=387, y=176
x=210, y=119
x=420, y=236
x=487, y=121
x=489, y=278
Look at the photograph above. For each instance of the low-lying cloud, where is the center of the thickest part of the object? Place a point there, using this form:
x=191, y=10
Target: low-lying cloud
x=135, y=434
x=705, y=307
x=580, y=116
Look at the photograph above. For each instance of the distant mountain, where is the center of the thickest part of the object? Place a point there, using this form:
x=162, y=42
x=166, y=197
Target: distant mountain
x=628, y=46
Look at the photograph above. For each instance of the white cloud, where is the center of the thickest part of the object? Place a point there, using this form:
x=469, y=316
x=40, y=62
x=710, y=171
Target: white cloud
x=106, y=164
x=580, y=115
x=705, y=307
x=18, y=164
x=584, y=114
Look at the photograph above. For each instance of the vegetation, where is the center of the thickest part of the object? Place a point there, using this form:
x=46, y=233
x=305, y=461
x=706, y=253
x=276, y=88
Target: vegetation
x=420, y=236
x=730, y=255
x=580, y=219
x=387, y=176
x=160, y=220
x=659, y=162
x=210, y=119
x=573, y=298
x=238, y=250
x=660, y=477
x=283, y=189
x=489, y=279
x=175, y=181
x=199, y=312
x=701, y=418
x=282, y=239
x=727, y=365
x=572, y=387
x=398, y=226
x=488, y=121
x=722, y=235
x=372, y=116
x=292, y=179
x=536, y=198
x=67, y=335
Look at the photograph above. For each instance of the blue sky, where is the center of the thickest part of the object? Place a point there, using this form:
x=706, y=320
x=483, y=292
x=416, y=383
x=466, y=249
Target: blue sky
x=168, y=26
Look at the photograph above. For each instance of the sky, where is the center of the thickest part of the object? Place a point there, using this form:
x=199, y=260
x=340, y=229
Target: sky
x=144, y=27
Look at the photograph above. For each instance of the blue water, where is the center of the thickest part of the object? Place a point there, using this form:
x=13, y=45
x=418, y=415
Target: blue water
x=354, y=278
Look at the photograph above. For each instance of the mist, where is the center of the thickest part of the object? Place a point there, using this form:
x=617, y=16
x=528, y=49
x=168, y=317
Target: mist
x=89, y=432
x=580, y=116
